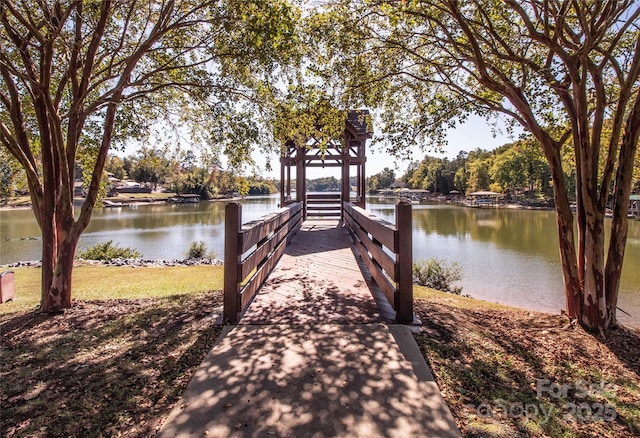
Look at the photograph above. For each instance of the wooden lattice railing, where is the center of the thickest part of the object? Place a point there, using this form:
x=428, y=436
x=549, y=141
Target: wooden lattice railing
x=252, y=251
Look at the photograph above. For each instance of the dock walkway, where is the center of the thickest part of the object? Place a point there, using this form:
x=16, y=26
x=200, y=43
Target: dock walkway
x=319, y=280
x=314, y=356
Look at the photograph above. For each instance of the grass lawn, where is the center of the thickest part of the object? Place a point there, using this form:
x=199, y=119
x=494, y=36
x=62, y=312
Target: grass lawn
x=117, y=362
x=112, y=282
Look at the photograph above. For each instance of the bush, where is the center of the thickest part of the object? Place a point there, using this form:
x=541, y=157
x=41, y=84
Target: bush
x=198, y=250
x=109, y=251
x=437, y=274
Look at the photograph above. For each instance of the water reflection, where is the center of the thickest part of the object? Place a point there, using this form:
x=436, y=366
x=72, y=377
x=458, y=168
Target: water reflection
x=158, y=231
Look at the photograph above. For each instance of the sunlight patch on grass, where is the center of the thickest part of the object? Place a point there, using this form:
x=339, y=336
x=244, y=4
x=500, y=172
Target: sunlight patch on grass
x=457, y=301
x=115, y=282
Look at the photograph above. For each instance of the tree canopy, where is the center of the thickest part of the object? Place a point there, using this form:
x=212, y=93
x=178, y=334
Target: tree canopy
x=561, y=69
x=78, y=77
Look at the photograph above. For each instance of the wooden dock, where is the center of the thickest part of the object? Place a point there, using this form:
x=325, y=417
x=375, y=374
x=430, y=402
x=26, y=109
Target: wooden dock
x=282, y=268
x=312, y=353
x=320, y=279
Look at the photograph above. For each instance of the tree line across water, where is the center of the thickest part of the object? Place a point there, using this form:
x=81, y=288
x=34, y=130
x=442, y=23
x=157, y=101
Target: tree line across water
x=518, y=170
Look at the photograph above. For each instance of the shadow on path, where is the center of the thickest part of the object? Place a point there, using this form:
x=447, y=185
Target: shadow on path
x=302, y=381
x=312, y=357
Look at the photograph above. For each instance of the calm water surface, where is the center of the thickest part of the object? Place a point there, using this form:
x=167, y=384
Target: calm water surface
x=507, y=256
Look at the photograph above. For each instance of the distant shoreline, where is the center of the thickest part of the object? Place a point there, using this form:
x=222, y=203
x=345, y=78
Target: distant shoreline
x=118, y=202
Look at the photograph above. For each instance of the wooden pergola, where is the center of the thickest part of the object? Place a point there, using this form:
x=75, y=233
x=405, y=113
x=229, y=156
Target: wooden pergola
x=347, y=153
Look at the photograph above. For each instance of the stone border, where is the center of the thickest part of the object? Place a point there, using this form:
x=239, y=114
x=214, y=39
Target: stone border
x=134, y=263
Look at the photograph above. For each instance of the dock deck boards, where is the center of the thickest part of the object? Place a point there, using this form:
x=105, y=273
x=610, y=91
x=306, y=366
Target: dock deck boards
x=319, y=279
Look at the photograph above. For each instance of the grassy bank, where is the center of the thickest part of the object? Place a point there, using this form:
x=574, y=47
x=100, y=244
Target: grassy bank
x=114, y=364
x=111, y=282
x=118, y=361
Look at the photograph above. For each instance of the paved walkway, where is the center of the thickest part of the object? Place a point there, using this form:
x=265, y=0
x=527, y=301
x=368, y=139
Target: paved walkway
x=314, y=357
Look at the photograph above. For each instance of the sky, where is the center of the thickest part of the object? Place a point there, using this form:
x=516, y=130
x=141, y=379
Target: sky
x=475, y=133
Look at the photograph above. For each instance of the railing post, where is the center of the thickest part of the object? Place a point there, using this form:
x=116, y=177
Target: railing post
x=404, y=304
x=232, y=226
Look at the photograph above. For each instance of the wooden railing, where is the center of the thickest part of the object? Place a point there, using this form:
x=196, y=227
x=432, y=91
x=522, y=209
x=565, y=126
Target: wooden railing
x=251, y=251
x=387, y=251
x=323, y=205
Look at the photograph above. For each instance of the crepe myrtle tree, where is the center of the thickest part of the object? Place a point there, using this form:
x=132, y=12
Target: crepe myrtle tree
x=564, y=70
x=80, y=76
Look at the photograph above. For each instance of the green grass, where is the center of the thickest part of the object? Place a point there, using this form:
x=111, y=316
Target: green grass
x=115, y=282
x=453, y=300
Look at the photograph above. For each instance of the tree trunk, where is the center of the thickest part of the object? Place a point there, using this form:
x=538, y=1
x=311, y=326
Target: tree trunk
x=613, y=269
x=620, y=223
x=566, y=239
x=59, y=294
x=566, y=235
x=49, y=252
x=57, y=268
x=594, y=309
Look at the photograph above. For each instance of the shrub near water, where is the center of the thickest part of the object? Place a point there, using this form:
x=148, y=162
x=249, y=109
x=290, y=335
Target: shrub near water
x=108, y=251
x=437, y=274
x=198, y=250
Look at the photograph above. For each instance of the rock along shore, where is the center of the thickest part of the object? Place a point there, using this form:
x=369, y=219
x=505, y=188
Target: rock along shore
x=134, y=263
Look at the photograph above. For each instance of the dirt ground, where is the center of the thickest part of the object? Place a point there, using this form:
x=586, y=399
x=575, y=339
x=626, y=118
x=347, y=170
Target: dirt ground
x=502, y=371
x=102, y=368
x=117, y=367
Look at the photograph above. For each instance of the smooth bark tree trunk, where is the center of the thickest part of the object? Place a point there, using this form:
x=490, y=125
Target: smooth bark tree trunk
x=49, y=251
x=57, y=295
x=566, y=235
x=59, y=251
x=620, y=222
x=594, y=309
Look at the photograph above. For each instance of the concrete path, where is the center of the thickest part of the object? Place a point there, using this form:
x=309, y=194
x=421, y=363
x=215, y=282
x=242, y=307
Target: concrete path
x=313, y=357
x=324, y=380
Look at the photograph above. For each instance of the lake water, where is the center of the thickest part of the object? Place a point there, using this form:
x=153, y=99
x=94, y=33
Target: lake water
x=507, y=256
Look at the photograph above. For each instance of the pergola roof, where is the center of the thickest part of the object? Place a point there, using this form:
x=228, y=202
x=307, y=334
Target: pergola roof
x=358, y=120
x=347, y=151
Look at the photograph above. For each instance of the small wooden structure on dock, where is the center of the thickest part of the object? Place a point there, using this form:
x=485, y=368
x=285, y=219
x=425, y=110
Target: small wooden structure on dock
x=347, y=153
x=316, y=267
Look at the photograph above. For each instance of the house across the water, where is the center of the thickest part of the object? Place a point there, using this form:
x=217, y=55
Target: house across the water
x=634, y=206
